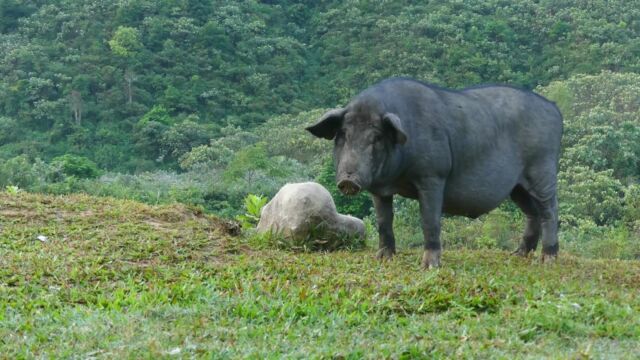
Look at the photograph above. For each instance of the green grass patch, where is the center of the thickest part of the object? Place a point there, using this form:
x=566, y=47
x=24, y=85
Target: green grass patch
x=118, y=279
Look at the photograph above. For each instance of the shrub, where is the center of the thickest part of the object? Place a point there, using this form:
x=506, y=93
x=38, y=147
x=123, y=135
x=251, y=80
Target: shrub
x=632, y=204
x=590, y=240
x=77, y=166
x=157, y=114
x=587, y=194
x=17, y=171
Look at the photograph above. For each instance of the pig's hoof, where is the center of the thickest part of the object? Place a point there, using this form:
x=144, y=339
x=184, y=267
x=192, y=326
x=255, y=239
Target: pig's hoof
x=431, y=259
x=521, y=251
x=548, y=258
x=385, y=254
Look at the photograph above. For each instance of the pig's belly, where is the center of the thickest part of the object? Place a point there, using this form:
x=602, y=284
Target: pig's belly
x=478, y=190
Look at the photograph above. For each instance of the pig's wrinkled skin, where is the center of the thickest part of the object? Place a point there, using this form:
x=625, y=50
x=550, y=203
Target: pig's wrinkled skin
x=456, y=152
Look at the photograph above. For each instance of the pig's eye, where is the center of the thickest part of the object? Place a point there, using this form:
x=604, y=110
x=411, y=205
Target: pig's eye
x=377, y=137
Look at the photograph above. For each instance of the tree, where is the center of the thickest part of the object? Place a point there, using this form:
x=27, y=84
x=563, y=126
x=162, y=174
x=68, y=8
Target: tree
x=182, y=137
x=75, y=101
x=127, y=45
x=78, y=166
x=126, y=42
x=10, y=13
x=129, y=78
x=158, y=114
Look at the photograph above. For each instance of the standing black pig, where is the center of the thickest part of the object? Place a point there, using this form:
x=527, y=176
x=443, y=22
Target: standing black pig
x=457, y=152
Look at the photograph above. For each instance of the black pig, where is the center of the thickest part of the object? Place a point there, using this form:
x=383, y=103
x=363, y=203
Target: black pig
x=458, y=152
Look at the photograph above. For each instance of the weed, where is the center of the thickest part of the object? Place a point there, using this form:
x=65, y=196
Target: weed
x=12, y=189
x=253, y=204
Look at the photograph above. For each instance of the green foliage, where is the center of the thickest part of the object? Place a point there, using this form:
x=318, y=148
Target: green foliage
x=148, y=139
x=499, y=229
x=9, y=130
x=587, y=194
x=632, y=204
x=215, y=155
x=609, y=147
x=243, y=63
x=11, y=11
x=125, y=41
x=253, y=204
x=18, y=171
x=562, y=95
x=293, y=142
x=247, y=161
x=602, y=123
x=600, y=161
x=12, y=189
x=591, y=240
x=157, y=114
x=78, y=166
x=180, y=138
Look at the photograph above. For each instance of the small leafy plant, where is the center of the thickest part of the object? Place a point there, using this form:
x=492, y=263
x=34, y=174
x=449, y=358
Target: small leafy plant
x=12, y=189
x=253, y=204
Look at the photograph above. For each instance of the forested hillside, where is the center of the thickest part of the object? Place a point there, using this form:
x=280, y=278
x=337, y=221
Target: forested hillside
x=134, y=85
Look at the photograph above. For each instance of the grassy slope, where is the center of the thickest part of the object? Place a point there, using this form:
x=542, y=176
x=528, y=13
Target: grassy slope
x=121, y=279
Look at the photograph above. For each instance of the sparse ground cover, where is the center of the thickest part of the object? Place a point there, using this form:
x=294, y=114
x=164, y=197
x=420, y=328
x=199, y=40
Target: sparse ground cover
x=118, y=279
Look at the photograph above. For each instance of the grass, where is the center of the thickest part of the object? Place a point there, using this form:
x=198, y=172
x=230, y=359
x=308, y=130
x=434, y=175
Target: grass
x=118, y=279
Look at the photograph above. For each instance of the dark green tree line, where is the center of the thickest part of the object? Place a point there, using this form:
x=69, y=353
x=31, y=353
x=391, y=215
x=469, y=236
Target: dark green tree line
x=80, y=77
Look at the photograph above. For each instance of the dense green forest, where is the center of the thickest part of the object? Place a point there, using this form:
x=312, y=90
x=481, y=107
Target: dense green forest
x=202, y=101
x=133, y=85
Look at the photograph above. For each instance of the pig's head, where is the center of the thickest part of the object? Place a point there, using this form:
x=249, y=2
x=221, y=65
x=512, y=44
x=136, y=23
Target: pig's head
x=366, y=143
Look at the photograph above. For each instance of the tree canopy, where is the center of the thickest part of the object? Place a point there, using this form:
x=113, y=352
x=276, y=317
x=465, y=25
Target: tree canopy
x=85, y=76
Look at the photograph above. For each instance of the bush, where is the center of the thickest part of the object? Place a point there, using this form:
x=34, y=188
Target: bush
x=632, y=204
x=587, y=194
x=18, y=171
x=77, y=166
x=590, y=240
x=148, y=139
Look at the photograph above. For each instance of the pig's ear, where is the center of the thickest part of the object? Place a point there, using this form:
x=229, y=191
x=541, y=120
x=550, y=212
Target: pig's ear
x=393, y=121
x=328, y=125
